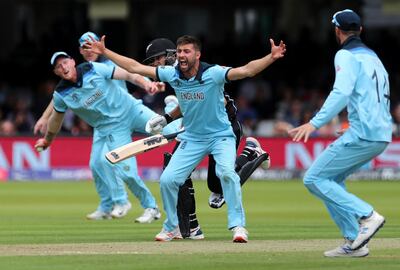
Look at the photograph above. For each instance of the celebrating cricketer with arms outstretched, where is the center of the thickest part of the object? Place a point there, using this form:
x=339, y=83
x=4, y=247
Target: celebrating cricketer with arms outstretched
x=199, y=88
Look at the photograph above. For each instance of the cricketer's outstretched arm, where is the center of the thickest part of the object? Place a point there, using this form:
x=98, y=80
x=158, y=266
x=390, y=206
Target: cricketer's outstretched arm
x=256, y=66
x=126, y=63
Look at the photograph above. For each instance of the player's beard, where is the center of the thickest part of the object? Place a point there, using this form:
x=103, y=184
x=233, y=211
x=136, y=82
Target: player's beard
x=190, y=64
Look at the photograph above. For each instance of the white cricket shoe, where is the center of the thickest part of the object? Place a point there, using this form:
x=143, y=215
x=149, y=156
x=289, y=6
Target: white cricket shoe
x=121, y=210
x=216, y=200
x=149, y=215
x=165, y=235
x=255, y=145
x=196, y=234
x=240, y=235
x=345, y=250
x=368, y=227
x=98, y=215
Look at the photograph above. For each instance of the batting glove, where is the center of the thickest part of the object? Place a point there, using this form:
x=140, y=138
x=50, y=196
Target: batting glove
x=156, y=124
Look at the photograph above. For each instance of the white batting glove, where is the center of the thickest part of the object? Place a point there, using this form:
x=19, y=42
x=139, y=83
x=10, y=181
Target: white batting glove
x=156, y=124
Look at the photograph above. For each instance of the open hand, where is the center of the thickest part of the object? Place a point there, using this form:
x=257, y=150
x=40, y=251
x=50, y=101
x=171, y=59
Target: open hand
x=94, y=46
x=277, y=51
x=303, y=131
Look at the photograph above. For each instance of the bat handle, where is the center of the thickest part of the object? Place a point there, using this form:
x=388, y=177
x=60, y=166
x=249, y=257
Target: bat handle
x=173, y=135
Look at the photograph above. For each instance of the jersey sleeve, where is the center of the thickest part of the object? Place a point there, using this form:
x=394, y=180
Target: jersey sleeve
x=58, y=103
x=107, y=71
x=219, y=74
x=346, y=68
x=165, y=73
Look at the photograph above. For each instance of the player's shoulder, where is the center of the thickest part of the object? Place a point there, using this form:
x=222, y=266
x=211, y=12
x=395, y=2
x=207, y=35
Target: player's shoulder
x=63, y=87
x=344, y=55
x=85, y=67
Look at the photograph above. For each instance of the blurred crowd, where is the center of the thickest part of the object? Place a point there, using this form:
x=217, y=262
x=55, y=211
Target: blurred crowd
x=263, y=109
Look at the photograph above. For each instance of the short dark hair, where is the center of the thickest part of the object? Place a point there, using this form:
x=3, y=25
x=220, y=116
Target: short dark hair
x=186, y=39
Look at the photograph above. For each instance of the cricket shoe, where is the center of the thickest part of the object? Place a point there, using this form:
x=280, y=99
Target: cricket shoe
x=120, y=210
x=149, y=215
x=254, y=145
x=368, y=227
x=216, y=200
x=196, y=234
x=240, y=235
x=165, y=236
x=345, y=250
x=98, y=215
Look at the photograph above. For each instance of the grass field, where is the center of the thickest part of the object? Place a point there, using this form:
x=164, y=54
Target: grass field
x=42, y=226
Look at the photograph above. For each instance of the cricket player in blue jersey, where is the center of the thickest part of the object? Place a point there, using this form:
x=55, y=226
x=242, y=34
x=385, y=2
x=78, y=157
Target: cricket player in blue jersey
x=108, y=207
x=361, y=85
x=199, y=88
x=160, y=52
x=89, y=91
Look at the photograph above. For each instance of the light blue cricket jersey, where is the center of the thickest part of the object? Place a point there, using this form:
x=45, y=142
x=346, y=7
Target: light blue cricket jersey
x=94, y=97
x=362, y=84
x=108, y=62
x=201, y=100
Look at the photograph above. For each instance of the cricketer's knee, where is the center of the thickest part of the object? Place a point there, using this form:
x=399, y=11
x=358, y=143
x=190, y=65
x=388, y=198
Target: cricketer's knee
x=229, y=176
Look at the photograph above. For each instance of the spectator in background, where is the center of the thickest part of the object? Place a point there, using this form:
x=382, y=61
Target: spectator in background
x=396, y=120
x=7, y=128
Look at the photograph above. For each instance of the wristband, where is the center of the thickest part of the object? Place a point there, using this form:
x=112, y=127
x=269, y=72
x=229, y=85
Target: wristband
x=168, y=118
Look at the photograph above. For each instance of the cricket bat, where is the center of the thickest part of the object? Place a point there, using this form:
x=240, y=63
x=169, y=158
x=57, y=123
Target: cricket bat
x=139, y=146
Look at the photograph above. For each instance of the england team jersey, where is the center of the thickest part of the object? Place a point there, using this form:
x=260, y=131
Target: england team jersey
x=362, y=84
x=94, y=97
x=201, y=100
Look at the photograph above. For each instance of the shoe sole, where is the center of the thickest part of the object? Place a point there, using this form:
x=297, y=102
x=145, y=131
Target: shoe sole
x=239, y=239
x=369, y=238
x=197, y=237
x=150, y=221
x=216, y=206
x=167, y=240
x=346, y=256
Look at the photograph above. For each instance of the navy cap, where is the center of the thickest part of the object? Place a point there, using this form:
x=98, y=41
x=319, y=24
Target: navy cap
x=86, y=36
x=347, y=20
x=56, y=55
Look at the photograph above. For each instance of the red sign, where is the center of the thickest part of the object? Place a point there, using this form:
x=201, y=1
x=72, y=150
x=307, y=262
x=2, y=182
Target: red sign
x=72, y=152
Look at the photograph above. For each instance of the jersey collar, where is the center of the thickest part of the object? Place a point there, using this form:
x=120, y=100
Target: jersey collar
x=202, y=68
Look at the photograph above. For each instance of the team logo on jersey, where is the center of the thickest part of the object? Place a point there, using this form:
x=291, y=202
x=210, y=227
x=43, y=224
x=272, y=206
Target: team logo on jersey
x=75, y=97
x=93, y=83
x=192, y=96
x=177, y=83
x=338, y=68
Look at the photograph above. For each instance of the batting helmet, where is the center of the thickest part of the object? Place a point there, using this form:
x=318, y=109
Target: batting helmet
x=158, y=47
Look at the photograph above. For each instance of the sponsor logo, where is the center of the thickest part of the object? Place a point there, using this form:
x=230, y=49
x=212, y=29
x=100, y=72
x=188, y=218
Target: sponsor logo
x=115, y=155
x=153, y=141
x=92, y=99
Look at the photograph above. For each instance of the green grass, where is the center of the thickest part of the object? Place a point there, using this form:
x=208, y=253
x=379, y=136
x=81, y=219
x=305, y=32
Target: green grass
x=54, y=213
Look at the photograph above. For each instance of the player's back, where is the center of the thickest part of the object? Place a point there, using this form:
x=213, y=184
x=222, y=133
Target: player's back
x=369, y=104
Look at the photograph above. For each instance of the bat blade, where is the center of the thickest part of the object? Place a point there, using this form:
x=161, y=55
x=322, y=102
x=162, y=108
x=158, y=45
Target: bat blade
x=139, y=146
